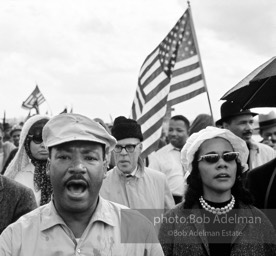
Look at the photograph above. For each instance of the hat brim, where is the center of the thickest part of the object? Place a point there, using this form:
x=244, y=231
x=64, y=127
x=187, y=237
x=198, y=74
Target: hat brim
x=220, y=121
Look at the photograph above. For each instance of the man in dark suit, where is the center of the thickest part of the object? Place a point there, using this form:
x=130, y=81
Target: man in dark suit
x=261, y=182
x=15, y=201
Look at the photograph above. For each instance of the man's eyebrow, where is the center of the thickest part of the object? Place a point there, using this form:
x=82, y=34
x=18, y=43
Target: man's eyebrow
x=66, y=149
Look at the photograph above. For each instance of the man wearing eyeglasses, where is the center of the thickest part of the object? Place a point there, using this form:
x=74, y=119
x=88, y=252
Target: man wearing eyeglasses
x=131, y=183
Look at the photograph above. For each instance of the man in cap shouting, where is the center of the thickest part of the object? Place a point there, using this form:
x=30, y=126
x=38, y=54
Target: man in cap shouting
x=78, y=221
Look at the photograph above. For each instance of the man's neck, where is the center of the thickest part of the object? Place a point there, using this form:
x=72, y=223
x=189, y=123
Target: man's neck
x=77, y=222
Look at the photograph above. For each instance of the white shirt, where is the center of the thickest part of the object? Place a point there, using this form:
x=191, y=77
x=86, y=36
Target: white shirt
x=167, y=160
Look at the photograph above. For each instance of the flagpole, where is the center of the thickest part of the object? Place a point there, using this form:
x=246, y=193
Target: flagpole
x=198, y=52
x=51, y=113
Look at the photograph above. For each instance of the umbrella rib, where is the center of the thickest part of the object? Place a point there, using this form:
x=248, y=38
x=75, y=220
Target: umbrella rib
x=252, y=96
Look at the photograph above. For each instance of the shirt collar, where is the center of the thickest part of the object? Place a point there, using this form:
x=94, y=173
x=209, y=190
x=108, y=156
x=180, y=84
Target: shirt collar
x=172, y=148
x=51, y=218
x=252, y=145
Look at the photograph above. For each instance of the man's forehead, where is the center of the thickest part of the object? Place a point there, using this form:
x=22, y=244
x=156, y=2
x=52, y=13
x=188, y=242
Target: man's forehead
x=242, y=117
x=78, y=144
x=127, y=141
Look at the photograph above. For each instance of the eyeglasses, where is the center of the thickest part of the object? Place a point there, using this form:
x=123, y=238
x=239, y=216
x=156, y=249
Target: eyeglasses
x=129, y=148
x=213, y=158
x=37, y=138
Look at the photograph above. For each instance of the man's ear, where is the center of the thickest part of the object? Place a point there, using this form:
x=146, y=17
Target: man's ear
x=48, y=167
x=141, y=146
x=105, y=166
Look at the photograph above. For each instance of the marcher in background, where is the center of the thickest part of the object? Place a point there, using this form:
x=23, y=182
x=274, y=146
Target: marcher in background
x=78, y=221
x=15, y=201
x=267, y=128
x=240, y=122
x=5, y=149
x=220, y=219
x=28, y=166
x=110, y=156
x=15, y=134
x=261, y=183
x=201, y=122
x=131, y=183
x=167, y=159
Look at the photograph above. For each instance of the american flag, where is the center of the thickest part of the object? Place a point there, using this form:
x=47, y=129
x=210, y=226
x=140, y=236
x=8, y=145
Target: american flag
x=34, y=100
x=171, y=74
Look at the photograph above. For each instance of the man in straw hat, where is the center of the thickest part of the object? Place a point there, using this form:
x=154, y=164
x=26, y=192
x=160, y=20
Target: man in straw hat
x=267, y=128
x=240, y=122
x=78, y=221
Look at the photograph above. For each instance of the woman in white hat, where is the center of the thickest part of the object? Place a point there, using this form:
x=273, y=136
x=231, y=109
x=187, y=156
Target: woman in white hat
x=216, y=216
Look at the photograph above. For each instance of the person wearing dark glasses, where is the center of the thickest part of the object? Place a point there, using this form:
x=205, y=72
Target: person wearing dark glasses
x=131, y=183
x=216, y=216
x=29, y=164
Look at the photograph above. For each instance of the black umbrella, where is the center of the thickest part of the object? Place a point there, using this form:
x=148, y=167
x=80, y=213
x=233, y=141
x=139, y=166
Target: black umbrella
x=258, y=89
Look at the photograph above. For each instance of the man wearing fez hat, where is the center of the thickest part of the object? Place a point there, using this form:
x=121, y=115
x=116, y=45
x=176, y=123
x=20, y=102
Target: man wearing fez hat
x=131, y=183
x=240, y=122
x=77, y=221
x=267, y=128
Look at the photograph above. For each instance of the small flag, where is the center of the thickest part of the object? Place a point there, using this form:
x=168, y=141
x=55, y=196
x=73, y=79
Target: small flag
x=171, y=74
x=34, y=100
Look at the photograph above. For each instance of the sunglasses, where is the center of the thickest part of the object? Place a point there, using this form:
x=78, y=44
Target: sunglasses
x=213, y=158
x=129, y=148
x=37, y=138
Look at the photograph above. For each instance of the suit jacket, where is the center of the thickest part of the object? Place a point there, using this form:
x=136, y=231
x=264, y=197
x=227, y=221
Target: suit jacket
x=257, y=182
x=183, y=233
x=15, y=201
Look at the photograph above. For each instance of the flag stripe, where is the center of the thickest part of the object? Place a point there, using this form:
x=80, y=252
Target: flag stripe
x=189, y=83
x=153, y=110
x=150, y=60
x=186, y=96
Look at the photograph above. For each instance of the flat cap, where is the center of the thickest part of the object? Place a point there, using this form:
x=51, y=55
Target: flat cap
x=72, y=127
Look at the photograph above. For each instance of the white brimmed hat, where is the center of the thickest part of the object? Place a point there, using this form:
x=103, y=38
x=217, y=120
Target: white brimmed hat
x=195, y=140
x=71, y=127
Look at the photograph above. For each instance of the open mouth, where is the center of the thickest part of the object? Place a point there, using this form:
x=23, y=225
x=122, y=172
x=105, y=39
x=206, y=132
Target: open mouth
x=76, y=187
x=222, y=175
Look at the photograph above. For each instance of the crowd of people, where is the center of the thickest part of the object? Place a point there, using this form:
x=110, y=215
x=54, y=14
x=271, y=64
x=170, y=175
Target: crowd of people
x=71, y=185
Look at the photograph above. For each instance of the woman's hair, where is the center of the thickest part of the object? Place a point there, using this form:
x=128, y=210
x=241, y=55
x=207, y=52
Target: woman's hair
x=195, y=186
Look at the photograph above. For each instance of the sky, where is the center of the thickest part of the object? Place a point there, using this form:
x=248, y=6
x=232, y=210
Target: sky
x=86, y=55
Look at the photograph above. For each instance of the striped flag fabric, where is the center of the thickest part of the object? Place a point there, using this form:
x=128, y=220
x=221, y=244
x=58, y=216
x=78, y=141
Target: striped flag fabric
x=171, y=74
x=34, y=100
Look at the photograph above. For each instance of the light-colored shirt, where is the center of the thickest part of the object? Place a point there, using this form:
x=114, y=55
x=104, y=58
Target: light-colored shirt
x=43, y=232
x=167, y=160
x=26, y=177
x=259, y=154
x=147, y=189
